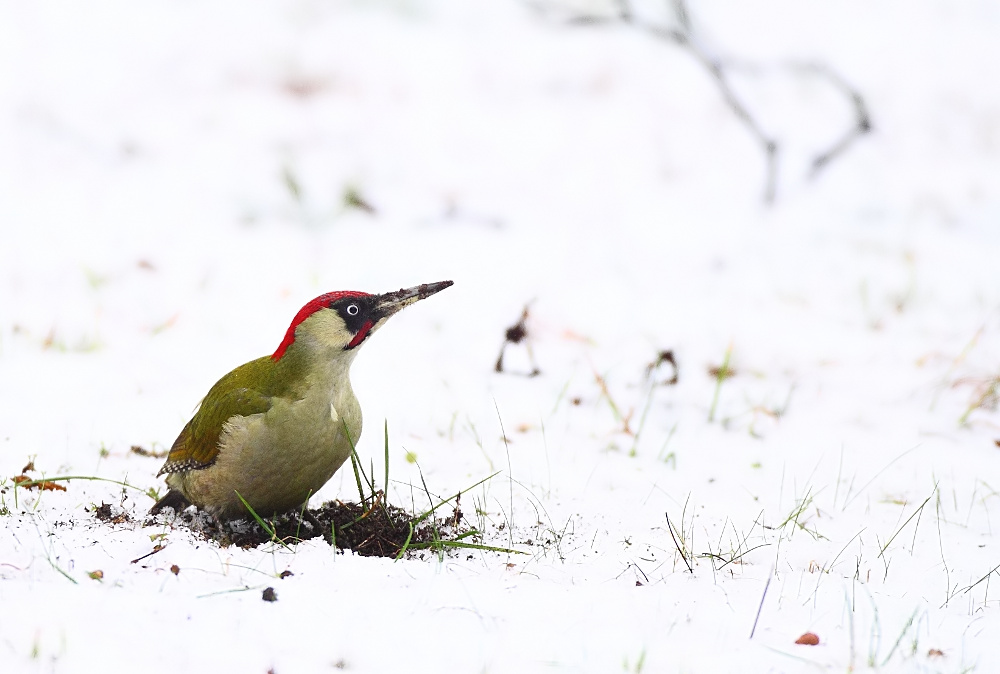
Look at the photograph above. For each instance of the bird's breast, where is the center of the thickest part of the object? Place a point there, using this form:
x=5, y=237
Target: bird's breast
x=277, y=459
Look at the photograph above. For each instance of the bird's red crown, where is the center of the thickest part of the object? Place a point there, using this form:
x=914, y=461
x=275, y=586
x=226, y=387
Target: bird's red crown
x=311, y=307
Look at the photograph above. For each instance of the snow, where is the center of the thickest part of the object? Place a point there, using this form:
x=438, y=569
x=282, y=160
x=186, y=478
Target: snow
x=172, y=191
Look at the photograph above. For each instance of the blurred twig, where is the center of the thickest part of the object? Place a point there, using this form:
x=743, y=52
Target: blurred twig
x=680, y=32
x=862, y=120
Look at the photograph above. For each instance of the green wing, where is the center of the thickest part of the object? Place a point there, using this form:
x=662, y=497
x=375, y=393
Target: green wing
x=241, y=393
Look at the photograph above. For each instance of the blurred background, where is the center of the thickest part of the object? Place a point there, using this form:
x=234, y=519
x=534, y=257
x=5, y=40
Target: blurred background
x=754, y=245
x=177, y=179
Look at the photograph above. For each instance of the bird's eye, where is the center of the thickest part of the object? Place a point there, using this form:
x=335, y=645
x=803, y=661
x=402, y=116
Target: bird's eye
x=352, y=309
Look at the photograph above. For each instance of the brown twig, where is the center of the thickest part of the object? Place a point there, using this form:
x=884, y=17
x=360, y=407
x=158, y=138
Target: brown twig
x=156, y=548
x=862, y=119
x=516, y=334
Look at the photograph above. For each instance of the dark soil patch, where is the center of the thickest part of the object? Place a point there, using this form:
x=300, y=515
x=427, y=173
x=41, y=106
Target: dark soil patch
x=106, y=513
x=381, y=531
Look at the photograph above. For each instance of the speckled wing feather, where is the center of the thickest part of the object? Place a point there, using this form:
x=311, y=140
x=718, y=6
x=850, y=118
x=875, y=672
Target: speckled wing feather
x=197, y=446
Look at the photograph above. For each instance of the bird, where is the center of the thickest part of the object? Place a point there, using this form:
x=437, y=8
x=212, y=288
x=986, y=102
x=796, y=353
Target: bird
x=274, y=430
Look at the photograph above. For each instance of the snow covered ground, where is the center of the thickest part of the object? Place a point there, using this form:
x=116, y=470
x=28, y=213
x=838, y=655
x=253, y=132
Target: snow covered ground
x=172, y=189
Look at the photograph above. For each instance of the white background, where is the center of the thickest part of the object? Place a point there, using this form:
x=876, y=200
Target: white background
x=151, y=242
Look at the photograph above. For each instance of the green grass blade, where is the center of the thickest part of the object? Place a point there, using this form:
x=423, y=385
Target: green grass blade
x=723, y=374
x=385, y=432
x=357, y=478
x=406, y=543
x=60, y=478
x=264, y=525
x=908, y=519
x=461, y=544
x=440, y=503
x=298, y=528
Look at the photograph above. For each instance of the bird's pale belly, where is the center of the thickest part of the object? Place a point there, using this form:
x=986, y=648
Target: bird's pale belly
x=275, y=460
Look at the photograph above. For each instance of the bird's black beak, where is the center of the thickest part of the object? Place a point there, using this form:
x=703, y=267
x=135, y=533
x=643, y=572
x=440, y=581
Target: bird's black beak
x=389, y=303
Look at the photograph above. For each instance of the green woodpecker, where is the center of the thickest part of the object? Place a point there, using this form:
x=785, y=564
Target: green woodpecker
x=276, y=429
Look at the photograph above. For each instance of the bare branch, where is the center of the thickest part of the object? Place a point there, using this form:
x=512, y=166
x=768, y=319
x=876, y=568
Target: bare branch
x=862, y=119
x=681, y=33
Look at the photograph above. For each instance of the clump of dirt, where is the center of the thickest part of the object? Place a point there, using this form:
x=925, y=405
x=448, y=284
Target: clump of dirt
x=380, y=530
x=106, y=513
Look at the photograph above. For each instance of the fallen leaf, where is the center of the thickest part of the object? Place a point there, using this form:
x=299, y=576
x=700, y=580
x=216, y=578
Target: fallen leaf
x=935, y=653
x=721, y=372
x=31, y=483
x=808, y=639
x=96, y=575
x=174, y=569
